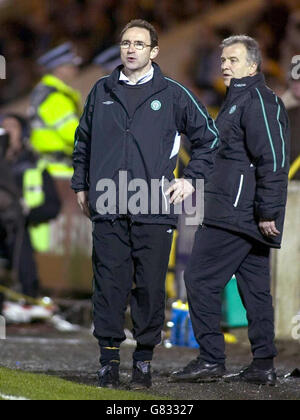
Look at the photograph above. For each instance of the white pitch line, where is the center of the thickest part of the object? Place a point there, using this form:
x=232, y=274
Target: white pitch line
x=47, y=341
x=12, y=398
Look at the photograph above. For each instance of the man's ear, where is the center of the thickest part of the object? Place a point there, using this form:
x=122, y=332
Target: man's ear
x=253, y=69
x=154, y=53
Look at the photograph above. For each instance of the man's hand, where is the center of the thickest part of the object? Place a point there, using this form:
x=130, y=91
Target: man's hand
x=268, y=228
x=82, y=199
x=181, y=189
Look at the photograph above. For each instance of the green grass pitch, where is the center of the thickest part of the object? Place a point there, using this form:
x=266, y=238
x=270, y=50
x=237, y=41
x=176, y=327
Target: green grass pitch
x=16, y=384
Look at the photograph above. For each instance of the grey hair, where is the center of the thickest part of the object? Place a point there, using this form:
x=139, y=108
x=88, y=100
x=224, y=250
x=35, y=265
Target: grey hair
x=252, y=46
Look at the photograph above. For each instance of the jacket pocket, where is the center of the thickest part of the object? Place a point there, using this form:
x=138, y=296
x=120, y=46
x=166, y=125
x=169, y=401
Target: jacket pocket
x=238, y=196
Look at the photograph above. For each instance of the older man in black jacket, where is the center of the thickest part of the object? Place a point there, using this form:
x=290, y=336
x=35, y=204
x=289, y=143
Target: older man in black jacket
x=244, y=214
x=128, y=137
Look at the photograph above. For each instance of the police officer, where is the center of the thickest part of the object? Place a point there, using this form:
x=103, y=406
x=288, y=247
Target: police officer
x=55, y=108
x=130, y=128
x=244, y=212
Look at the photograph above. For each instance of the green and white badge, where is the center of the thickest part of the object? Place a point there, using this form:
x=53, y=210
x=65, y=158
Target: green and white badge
x=156, y=105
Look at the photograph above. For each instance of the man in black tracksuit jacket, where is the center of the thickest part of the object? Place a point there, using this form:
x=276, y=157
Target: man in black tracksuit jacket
x=130, y=127
x=245, y=203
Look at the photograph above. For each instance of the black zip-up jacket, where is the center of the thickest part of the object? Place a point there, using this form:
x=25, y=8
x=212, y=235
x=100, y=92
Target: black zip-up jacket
x=250, y=178
x=145, y=145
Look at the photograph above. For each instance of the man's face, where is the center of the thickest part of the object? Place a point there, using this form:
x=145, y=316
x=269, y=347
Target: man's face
x=136, y=60
x=66, y=72
x=235, y=64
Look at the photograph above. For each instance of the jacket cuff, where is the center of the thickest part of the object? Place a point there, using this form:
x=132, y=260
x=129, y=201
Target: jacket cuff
x=265, y=215
x=79, y=190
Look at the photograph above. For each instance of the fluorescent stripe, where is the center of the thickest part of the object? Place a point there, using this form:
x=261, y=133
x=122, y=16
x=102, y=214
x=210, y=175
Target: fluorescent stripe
x=64, y=120
x=240, y=191
x=199, y=109
x=281, y=135
x=268, y=129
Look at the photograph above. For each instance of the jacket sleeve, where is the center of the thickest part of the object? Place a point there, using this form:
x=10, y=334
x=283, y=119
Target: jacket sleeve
x=267, y=138
x=201, y=131
x=52, y=205
x=82, y=147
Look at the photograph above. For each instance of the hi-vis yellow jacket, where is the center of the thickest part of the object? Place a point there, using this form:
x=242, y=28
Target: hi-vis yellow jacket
x=34, y=196
x=54, y=113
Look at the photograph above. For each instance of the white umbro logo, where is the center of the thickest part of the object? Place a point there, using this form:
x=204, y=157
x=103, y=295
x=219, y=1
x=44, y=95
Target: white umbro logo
x=108, y=103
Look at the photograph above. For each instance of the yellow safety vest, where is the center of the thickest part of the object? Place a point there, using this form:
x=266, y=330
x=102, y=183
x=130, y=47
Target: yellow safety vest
x=54, y=114
x=34, y=196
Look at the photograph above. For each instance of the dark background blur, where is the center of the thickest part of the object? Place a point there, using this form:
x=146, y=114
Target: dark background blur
x=31, y=27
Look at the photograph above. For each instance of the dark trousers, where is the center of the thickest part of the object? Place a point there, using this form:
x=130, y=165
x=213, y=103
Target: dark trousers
x=18, y=250
x=218, y=255
x=27, y=269
x=127, y=255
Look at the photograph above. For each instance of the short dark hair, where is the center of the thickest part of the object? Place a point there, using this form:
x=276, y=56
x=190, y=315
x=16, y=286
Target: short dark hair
x=140, y=23
x=252, y=47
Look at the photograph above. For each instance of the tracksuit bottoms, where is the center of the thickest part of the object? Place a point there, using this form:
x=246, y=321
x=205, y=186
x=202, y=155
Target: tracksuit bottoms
x=130, y=262
x=217, y=255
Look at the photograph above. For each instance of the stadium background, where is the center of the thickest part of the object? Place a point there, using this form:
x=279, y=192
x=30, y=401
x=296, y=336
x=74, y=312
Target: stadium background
x=190, y=34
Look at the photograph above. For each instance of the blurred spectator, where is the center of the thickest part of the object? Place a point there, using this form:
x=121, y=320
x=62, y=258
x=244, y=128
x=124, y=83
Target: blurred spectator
x=40, y=203
x=10, y=210
x=11, y=220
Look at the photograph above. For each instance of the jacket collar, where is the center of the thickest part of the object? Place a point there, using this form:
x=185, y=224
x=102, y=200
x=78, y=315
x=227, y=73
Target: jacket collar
x=237, y=86
x=158, y=82
x=144, y=79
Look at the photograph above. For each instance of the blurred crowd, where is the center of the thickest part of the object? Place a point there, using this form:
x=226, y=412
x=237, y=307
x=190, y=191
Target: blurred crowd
x=92, y=25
